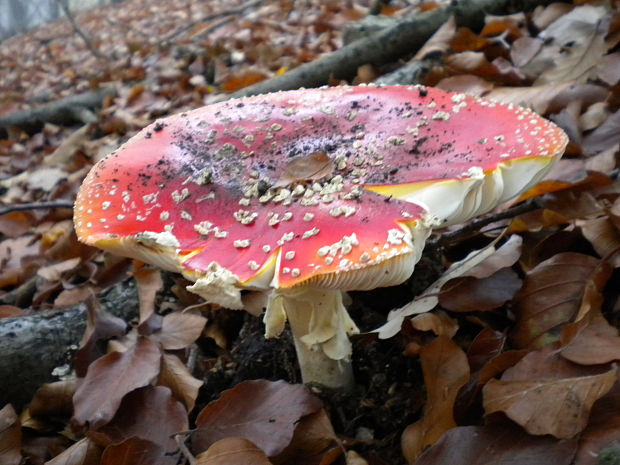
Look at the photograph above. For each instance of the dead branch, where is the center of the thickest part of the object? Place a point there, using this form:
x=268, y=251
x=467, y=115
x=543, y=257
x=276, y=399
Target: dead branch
x=385, y=45
x=66, y=111
x=89, y=43
x=32, y=346
x=476, y=225
x=234, y=11
x=35, y=206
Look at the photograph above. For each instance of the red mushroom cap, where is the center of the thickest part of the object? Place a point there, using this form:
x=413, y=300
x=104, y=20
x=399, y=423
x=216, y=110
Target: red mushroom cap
x=300, y=187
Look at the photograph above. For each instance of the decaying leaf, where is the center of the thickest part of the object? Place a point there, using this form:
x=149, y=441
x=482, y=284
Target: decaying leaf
x=136, y=451
x=175, y=375
x=53, y=399
x=83, y=452
x=149, y=413
x=546, y=394
x=264, y=412
x=310, y=167
x=233, y=451
x=149, y=284
x=553, y=294
x=445, y=371
x=469, y=294
x=110, y=377
x=497, y=445
x=10, y=436
x=591, y=341
x=179, y=330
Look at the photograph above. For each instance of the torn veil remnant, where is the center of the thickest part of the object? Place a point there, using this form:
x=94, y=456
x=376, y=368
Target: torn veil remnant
x=306, y=194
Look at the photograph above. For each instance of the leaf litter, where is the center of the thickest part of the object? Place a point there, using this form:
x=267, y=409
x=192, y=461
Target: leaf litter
x=501, y=348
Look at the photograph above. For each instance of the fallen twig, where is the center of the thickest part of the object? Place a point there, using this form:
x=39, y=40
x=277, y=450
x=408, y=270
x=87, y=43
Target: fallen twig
x=69, y=110
x=35, y=206
x=89, y=43
x=234, y=11
x=384, y=46
x=477, y=225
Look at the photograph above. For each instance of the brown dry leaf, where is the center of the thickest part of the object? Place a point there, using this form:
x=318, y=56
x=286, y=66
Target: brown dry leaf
x=505, y=256
x=445, y=371
x=13, y=255
x=591, y=341
x=439, y=42
x=233, y=451
x=240, y=81
x=467, y=83
x=604, y=237
x=552, y=295
x=53, y=399
x=110, y=378
x=65, y=152
x=10, y=311
x=438, y=322
x=609, y=69
x=607, y=135
x=100, y=325
x=175, y=375
x=150, y=413
x=314, y=442
x=546, y=394
x=10, y=437
x=603, y=431
x=538, y=98
x=179, y=330
x=54, y=272
x=264, y=412
x=497, y=445
x=469, y=294
x=83, y=452
x=136, y=451
x=310, y=167
x=149, y=284
x=576, y=44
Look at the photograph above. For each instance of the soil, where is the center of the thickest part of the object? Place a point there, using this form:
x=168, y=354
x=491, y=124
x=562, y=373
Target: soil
x=389, y=391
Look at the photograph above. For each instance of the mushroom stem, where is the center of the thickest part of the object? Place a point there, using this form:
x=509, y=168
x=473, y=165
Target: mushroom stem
x=320, y=325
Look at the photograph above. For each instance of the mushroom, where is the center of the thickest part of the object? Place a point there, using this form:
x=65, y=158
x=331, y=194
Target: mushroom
x=305, y=194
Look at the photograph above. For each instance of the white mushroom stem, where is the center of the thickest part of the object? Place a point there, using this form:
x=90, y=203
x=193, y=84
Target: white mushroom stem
x=321, y=326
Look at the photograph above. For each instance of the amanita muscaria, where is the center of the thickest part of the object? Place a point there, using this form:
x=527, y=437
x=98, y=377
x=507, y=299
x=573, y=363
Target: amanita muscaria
x=309, y=193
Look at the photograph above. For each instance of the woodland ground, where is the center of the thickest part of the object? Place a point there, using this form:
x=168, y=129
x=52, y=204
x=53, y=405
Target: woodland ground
x=516, y=359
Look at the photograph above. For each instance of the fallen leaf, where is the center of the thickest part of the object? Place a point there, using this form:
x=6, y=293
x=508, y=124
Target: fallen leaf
x=552, y=295
x=83, y=452
x=605, y=136
x=110, y=378
x=538, y=98
x=438, y=322
x=429, y=298
x=602, y=435
x=497, y=445
x=150, y=413
x=314, y=442
x=149, y=284
x=469, y=294
x=10, y=437
x=445, y=371
x=53, y=399
x=604, y=237
x=264, y=412
x=67, y=149
x=179, y=330
x=546, y=394
x=100, y=325
x=439, y=42
x=591, y=341
x=175, y=375
x=136, y=451
x=577, y=43
x=233, y=451
x=309, y=167
x=54, y=272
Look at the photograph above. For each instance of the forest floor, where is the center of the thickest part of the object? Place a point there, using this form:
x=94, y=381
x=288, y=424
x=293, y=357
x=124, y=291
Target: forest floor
x=514, y=360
